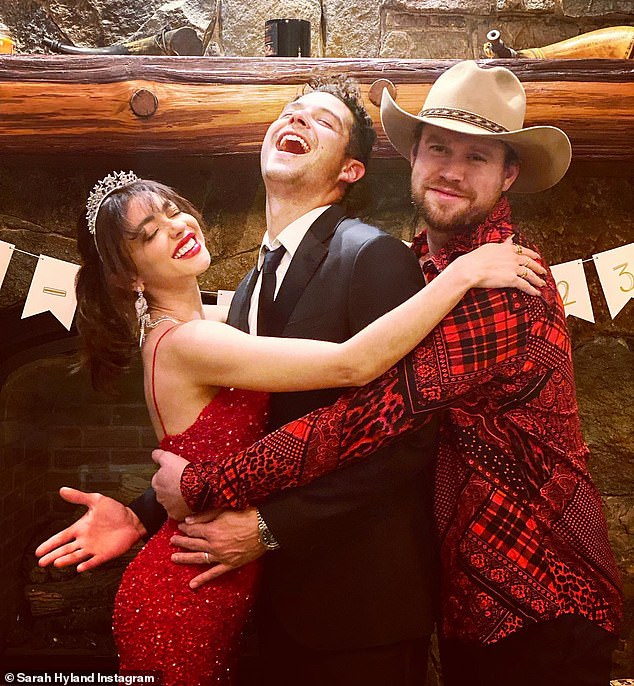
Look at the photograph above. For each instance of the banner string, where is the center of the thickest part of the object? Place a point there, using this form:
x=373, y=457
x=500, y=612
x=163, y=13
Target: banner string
x=24, y=252
x=613, y=292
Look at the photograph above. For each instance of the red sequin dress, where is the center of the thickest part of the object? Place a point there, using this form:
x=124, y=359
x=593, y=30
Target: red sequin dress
x=160, y=624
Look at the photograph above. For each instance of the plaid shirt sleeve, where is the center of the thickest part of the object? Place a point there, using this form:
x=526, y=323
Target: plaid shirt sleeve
x=486, y=341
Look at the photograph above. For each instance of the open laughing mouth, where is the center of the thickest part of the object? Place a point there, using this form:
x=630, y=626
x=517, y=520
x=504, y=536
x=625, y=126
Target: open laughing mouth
x=293, y=143
x=188, y=247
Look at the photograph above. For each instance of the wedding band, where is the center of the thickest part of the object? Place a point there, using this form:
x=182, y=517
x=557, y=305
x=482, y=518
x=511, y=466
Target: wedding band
x=207, y=558
x=518, y=249
x=524, y=275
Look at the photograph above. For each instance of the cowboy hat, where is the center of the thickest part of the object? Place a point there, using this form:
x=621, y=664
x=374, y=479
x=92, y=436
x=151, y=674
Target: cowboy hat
x=490, y=103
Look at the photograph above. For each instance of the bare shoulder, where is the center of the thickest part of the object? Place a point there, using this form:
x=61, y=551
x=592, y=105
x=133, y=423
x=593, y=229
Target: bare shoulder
x=187, y=347
x=191, y=332
x=178, y=342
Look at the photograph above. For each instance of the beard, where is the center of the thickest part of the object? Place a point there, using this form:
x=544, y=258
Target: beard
x=443, y=220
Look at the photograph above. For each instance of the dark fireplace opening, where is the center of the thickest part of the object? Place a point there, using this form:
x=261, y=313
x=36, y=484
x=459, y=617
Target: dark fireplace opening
x=57, y=431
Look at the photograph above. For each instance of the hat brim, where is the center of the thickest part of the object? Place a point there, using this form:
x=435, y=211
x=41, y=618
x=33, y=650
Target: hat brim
x=544, y=151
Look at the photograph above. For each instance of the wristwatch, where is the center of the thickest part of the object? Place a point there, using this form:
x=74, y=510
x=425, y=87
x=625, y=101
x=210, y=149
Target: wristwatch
x=264, y=534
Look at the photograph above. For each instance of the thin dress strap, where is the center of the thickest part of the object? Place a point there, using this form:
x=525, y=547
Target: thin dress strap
x=158, y=414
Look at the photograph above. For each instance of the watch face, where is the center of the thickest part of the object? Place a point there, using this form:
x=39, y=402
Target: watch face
x=266, y=537
x=263, y=533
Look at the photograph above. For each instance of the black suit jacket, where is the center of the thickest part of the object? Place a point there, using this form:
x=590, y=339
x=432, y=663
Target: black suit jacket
x=357, y=563
x=357, y=567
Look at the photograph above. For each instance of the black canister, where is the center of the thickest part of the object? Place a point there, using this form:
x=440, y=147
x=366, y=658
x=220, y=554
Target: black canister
x=287, y=38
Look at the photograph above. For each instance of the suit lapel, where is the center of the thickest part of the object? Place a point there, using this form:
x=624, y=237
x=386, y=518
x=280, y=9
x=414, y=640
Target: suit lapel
x=238, y=316
x=309, y=255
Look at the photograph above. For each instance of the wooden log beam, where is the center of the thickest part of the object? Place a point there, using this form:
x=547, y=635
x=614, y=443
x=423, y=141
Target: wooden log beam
x=222, y=106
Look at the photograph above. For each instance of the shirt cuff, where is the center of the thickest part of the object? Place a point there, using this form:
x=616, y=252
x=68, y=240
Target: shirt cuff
x=196, y=487
x=150, y=512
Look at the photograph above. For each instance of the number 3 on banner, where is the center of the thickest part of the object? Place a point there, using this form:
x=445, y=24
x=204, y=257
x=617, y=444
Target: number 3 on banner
x=616, y=276
x=623, y=272
x=564, y=291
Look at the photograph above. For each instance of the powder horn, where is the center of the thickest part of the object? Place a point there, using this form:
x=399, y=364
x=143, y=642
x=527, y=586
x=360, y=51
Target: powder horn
x=614, y=42
x=182, y=41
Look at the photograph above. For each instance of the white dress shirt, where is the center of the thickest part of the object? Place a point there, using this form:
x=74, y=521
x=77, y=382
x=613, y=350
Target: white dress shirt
x=290, y=237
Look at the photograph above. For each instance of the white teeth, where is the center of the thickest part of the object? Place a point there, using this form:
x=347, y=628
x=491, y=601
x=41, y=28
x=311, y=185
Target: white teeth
x=297, y=139
x=186, y=248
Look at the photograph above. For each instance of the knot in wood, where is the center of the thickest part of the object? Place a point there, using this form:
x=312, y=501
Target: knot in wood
x=143, y=103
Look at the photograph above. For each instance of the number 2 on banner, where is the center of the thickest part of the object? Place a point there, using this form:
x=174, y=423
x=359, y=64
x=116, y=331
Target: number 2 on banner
x=564, y=290
x=623, y=272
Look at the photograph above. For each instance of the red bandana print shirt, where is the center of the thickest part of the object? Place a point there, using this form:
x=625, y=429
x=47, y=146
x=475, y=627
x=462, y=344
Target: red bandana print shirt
x=521, y=527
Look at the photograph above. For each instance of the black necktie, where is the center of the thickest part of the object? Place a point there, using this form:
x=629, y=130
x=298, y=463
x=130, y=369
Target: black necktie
x=272, y=260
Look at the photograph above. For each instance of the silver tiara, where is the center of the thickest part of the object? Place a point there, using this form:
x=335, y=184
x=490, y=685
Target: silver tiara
x=101, y=190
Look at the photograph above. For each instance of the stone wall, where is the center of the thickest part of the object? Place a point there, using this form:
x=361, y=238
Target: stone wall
x=590, y=211
x=433, y=29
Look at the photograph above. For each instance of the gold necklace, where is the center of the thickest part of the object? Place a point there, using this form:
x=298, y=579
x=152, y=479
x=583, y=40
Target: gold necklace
x=153, y=323
x=145, y=322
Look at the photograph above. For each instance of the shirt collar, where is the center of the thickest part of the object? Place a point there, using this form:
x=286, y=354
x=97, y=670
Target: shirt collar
x=292, y=235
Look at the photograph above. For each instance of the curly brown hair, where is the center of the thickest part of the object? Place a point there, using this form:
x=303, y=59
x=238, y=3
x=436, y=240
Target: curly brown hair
x=106, y=318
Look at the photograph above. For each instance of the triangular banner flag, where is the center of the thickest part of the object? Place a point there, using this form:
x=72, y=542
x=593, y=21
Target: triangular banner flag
x=53, y=289
x=6, y=252
x=573, y=289
x=224, y=297
x=616, y=273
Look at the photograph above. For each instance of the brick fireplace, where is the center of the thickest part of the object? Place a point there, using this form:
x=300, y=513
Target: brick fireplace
x=57, y=431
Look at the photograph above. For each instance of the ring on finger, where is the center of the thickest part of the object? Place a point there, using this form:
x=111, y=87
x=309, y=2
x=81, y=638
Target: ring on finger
x=518, y=249
x=525, y=274
x=207, y=559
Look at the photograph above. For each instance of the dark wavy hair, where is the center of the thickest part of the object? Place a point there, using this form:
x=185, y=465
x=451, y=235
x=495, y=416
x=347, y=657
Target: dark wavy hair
x=106, y=318
x=362, y=133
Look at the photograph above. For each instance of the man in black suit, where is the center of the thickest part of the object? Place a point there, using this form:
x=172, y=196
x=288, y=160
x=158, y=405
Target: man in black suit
x=347, y=592
x=346, y=597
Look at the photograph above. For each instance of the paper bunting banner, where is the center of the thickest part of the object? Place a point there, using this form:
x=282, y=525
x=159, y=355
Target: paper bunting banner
x=6, y=252
x=53, y=284
x=573, y=289
x=616, y=273
x=53, y=289
x=224, y=297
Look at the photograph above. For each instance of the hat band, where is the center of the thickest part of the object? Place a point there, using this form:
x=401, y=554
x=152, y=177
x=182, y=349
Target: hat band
x=463, y=116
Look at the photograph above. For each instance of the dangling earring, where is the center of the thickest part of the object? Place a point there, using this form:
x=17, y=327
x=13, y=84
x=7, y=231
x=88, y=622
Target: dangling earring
x=141, y=314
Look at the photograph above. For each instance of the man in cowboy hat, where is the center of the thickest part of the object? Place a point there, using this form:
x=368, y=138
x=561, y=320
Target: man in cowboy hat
x=530, y=591
x=531, y=585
